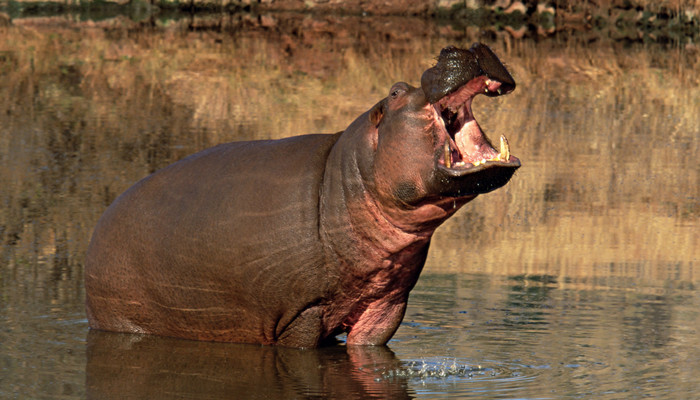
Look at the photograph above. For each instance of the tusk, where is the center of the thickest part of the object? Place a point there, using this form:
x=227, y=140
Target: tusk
x=504, y=153
x=448, y=155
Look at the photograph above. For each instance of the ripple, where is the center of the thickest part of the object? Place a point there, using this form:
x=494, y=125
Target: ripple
x=451, y=369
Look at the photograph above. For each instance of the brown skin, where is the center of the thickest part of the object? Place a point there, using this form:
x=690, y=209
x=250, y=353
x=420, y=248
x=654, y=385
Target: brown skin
x=294, y=241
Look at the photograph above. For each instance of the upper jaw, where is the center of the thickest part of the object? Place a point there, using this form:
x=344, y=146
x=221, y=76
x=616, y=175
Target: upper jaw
x=449, y=87
x=456, y=67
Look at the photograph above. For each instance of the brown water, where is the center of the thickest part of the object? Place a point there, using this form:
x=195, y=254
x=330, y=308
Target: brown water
x=578, y=279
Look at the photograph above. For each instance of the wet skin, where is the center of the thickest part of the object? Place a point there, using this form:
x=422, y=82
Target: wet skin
x=297, y=240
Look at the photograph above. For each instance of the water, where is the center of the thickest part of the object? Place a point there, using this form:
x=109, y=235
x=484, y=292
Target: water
x=465, y=336
x=578, y=279
x=540, y=338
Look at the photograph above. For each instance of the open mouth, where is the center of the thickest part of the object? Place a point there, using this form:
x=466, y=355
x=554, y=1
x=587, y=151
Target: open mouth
x=465, y=148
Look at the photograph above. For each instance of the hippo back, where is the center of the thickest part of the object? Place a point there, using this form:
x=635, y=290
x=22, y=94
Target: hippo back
x=191, y=249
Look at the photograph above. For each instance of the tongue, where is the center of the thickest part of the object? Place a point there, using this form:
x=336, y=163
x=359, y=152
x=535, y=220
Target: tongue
x=473, y=145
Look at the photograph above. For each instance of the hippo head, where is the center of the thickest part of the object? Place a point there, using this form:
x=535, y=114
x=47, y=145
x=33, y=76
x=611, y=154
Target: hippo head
x=429, y=146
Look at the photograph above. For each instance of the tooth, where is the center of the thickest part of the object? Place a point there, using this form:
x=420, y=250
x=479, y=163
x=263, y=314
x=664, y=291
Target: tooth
x=487, y=82
x=499, y=91
x=448, y=155
x=504, y=154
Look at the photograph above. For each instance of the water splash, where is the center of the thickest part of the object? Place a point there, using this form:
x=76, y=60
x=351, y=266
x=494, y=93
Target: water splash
x=437, y=370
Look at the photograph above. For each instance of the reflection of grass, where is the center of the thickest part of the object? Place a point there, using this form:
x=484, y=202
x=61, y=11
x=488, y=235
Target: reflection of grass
x=609, y=138
x=607, y=135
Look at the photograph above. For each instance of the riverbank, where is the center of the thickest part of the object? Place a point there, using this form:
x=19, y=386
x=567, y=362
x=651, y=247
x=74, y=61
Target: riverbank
x=637, y=20
x=91, y=110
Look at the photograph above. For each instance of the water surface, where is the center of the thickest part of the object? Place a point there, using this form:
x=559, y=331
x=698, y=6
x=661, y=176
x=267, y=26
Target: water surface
x=578, y=279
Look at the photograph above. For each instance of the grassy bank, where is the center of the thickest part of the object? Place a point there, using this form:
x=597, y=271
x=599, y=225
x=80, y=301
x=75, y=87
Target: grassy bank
x=607, y=134
x=673, y=20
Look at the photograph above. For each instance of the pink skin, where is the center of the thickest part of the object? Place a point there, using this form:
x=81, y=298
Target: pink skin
x=470, y=145
x=382, y=241
x=328, y=236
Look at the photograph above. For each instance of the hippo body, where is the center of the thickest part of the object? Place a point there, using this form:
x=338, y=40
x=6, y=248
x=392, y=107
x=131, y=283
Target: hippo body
x=294, y=241
x=196, y=248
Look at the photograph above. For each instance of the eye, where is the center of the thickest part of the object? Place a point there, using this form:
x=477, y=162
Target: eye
x=397, y=90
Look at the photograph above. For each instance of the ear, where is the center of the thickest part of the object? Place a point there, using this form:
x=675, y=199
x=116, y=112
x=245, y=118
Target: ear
x=376, y=113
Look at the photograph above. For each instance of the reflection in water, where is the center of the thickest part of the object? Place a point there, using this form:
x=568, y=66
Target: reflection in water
x=566, y=340
x=458, y=340
x=148, y=367
x=597, y=231
x=532, y=300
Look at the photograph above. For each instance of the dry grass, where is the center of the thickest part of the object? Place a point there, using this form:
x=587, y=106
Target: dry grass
x=608, y=187
x=608, y=137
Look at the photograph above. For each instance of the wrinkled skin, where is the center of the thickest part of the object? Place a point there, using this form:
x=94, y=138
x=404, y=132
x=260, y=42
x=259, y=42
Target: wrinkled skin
x=294, y=241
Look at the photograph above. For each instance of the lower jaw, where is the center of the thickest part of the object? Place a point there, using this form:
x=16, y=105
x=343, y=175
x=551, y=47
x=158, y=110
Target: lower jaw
x=483, y=179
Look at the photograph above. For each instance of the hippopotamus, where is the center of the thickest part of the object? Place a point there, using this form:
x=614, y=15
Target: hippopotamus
x=298, y=240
